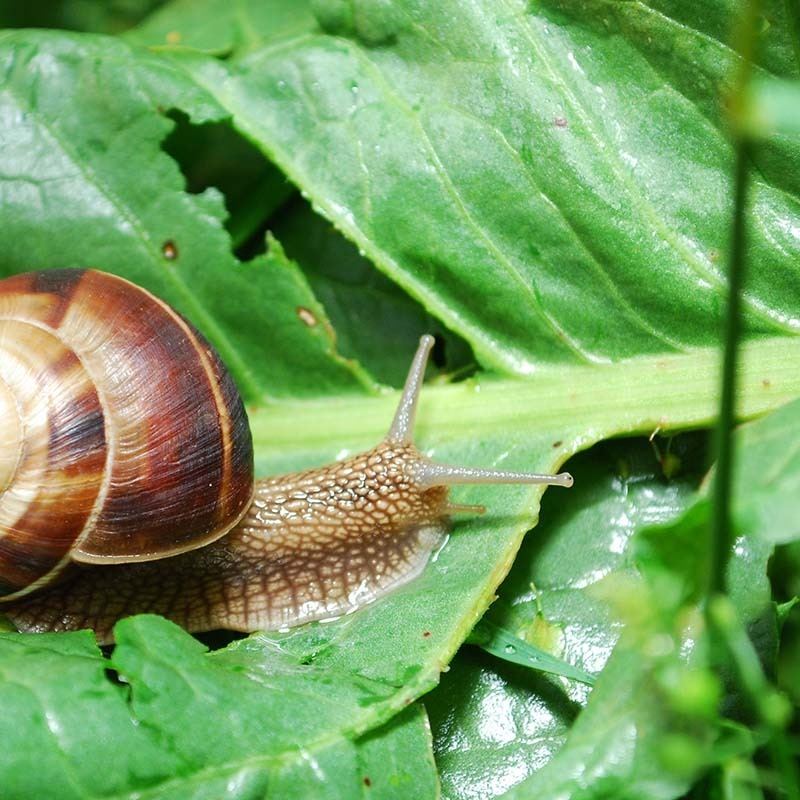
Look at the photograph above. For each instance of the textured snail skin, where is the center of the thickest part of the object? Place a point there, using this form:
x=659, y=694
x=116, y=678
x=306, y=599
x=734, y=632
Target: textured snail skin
x=122, y=436
x=313, y=545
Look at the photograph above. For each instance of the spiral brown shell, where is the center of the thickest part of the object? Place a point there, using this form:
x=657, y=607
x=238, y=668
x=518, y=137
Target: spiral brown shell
x=122, y=436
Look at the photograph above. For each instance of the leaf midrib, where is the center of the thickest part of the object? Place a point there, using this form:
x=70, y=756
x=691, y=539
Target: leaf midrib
x=638, y=395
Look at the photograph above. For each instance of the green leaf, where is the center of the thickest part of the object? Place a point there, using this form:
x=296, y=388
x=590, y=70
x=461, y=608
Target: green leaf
x=299, y=326
x=222, y=27
x=494, y=723
x=771, y=109
x=507, y=727
x=503, y=644
x=544, y=248
x=674, y=580
x=740, y=781
x=213, y=154
x=92, y=737
x=359, y=300
x=550, y=599
x=551, y=192
x=784, y=609
x=768, y=476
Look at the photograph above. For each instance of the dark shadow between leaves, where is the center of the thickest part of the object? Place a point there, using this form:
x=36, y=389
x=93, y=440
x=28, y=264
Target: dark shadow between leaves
x=214, y=155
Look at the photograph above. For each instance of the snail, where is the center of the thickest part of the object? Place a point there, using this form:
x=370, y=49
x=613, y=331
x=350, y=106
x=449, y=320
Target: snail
x=126, y=478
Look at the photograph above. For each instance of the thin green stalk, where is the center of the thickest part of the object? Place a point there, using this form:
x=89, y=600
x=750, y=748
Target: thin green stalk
x=786, y=764
x=721, y=521
x=771, y=707
x=744, y=40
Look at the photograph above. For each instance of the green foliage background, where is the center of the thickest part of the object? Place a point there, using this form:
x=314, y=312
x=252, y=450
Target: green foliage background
x=547, y=187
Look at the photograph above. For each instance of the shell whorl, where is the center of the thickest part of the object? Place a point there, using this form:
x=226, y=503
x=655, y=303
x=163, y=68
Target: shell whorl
x=10, y=436
x=131, y=442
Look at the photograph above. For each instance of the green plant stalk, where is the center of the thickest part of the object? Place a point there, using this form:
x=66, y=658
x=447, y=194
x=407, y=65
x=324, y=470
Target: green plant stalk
x=721, y=529
x=771, y=707
x=786, y=763
x=744, y=42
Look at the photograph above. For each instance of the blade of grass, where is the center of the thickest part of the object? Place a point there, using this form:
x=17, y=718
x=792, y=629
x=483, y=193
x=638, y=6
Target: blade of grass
x=503, y=644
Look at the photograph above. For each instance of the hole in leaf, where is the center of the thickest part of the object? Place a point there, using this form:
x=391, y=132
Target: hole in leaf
x=215, y=155
x=111, y=17
x=114, y=677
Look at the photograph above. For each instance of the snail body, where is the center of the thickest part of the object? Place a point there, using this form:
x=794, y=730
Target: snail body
x=126, y=478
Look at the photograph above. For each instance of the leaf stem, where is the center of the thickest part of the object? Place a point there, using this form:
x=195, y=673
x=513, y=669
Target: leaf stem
x=721, y=522
x=744, y=40
x=580, y=404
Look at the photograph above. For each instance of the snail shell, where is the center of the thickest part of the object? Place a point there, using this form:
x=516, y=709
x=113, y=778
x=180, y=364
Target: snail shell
x=122, y=436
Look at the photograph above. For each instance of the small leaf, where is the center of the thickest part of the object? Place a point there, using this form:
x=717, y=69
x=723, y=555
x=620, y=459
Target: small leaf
x=503, y=644
x=784, y=609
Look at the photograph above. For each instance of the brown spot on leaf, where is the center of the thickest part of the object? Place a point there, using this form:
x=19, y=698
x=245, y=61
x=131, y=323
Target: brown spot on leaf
x=426, y=634
x=558, y=443
x=367, y=781
x=174, y=37
x=766, y=383
x=169, y=250
x=560, y=122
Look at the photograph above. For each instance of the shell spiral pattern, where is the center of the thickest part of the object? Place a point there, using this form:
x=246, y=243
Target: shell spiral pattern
x=122, y=435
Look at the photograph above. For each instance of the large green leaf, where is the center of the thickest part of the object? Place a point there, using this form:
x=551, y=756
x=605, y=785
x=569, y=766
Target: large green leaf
x=86, y=184
x=540, y=185
x=187, y=725
x=503, y=730
x=645, y=692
